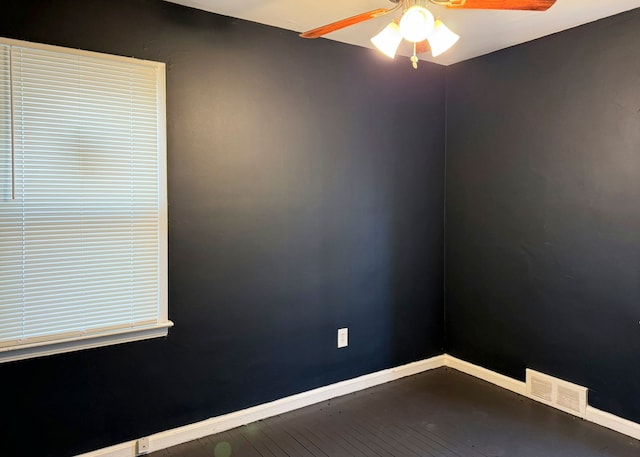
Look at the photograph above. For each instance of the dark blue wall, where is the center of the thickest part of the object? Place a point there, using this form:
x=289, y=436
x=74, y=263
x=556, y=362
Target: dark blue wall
x=306, y=184
x=543, y=210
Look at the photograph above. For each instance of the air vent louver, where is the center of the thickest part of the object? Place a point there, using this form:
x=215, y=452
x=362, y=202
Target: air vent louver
x=541, y=389
x=569, y=398
x=563, y=395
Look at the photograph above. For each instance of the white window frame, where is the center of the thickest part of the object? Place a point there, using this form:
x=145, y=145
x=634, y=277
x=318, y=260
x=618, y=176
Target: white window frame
x=107, y=337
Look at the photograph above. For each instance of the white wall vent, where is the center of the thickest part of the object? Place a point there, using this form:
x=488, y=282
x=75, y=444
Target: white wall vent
x=568, y=397
x=541, y=389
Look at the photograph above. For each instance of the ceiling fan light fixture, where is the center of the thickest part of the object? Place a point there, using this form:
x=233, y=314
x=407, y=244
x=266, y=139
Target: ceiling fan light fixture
x=441, y=39
x=388, y=40
x=416, y=24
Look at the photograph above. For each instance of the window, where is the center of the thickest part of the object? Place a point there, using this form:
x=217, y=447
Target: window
x=83, y=225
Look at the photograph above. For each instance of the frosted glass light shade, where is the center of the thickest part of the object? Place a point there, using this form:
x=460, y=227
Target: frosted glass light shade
x=388, y=40
x=441, y=39
x=416, y=24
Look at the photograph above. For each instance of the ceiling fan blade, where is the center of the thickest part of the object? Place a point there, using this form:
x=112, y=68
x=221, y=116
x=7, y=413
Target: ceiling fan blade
x=528, y=5
x=320, y=31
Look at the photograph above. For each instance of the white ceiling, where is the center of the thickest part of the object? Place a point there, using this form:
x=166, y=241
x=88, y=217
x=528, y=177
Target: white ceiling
x=481, y=32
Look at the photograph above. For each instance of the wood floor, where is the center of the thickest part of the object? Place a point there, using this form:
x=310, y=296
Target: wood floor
x=439, y=413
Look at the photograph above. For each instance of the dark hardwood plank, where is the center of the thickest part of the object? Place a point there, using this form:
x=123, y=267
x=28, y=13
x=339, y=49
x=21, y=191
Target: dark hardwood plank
x=440, y=413
x=261, y=443
x=286, y=442
x=321, y=434
x=230, y=443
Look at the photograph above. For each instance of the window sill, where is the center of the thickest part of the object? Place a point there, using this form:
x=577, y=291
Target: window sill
x=29, y=351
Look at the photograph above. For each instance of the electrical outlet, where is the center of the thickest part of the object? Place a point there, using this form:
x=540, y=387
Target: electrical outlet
x=343, y=337
x=142, y=446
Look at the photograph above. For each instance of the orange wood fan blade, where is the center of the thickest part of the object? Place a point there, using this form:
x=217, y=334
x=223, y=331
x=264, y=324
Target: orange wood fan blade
x=320, y=31
x=529, y=5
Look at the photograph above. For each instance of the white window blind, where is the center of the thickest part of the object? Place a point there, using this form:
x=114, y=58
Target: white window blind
x=82, y=200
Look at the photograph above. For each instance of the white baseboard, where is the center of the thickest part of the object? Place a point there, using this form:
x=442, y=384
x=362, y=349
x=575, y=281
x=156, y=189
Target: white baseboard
x=127, y=449
x=487, y=375
x=225, y=422
x=624, y=426
x=235, y=419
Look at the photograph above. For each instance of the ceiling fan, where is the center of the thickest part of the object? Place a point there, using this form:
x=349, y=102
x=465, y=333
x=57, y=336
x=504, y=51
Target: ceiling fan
x=418, y=25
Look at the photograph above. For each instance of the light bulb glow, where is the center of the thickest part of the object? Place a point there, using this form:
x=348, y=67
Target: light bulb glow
x=416, y=24
x=388, y=40
x=441, y=39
